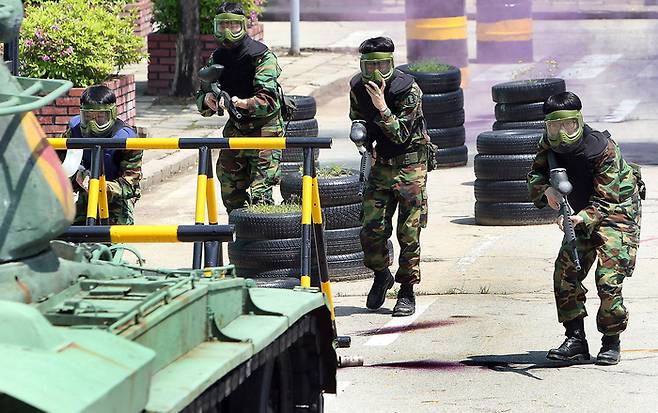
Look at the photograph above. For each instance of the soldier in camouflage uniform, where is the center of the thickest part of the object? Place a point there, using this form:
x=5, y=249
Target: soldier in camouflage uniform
x=389, y=102
x=123, y=169
x=606, y=202
x=250, y=77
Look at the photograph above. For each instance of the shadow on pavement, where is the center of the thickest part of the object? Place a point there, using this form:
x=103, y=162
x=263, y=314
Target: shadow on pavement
x=464, y=221
x=643, y=153
x=520, y=363
x=348, y=310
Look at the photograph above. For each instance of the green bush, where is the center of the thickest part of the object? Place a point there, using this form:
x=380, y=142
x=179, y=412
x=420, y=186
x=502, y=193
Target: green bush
x=164, y=13
x=85, y=41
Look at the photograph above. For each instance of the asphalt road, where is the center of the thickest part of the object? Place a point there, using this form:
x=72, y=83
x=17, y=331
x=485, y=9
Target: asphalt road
x=486, y=314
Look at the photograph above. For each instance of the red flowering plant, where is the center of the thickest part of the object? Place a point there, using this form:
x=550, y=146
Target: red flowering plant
x=85, y=41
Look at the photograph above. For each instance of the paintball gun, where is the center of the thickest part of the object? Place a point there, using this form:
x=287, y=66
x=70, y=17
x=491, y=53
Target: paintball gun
x=560, y=182
x=359, y=135
x=211, y=75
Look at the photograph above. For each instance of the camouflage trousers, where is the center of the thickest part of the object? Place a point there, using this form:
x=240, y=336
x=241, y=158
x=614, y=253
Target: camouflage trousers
x=121, y=211
x=247, y=176
x=390, y=187
x=614, y=245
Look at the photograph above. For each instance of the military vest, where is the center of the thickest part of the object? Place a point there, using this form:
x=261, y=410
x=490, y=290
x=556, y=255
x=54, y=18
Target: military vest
x=239, y=71
x=397, y=86
x=580, y=166
x=111, y=157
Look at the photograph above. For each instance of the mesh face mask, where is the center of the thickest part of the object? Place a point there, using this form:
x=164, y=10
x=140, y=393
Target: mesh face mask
x=564, y=128
x=97, y=119
x=376, y=67
x=230, y=27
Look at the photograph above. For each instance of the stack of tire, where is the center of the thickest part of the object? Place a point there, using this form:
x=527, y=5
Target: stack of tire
x=302, y=124
x=505, y=155
x=443, y=108
x=519, y=104
x=341, y=210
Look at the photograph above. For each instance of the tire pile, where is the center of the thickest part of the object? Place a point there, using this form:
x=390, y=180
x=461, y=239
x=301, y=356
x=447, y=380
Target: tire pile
x=443, y=108
x=341, y=209
x=505, y=155
x=302, y=124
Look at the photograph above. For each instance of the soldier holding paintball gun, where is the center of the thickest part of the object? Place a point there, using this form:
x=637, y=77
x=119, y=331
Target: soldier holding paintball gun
x=605, y=192
x=385, y=105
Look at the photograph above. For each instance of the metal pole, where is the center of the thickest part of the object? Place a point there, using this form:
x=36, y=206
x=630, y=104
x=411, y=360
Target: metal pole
x=294, y=28
x=200, y=213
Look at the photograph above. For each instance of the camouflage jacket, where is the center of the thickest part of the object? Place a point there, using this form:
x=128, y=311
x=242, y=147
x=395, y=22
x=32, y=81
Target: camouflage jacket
x=402, y=123
x=263, y=110
x=614, y=183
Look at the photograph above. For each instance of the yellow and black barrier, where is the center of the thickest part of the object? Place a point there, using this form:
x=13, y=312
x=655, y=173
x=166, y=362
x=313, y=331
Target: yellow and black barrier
x=205, y=237
x=437, y=30
x=149, y=233
x=190, y=143
x=504, y=31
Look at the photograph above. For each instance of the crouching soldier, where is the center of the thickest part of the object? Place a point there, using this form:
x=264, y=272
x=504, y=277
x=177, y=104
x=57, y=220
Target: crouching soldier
x=123, y=169
x=389, y=103
x=606, y=203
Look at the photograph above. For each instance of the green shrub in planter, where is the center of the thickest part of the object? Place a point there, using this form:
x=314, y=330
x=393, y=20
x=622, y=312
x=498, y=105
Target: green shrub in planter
x=164, y=13
x=84, y=41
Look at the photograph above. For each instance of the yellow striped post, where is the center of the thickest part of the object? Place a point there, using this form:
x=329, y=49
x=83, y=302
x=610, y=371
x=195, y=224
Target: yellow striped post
x=103, y=206
x=504, y=31
x=437, y=30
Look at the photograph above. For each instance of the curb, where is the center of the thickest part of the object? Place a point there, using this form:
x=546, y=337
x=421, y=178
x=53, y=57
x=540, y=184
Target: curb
x=159, y=170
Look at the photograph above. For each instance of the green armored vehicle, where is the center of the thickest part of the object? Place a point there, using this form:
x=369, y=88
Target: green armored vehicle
x=81, y=331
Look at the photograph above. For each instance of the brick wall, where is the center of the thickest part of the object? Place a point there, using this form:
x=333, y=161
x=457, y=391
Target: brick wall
x=143, y=25
x=55, y=117
x=162, y=57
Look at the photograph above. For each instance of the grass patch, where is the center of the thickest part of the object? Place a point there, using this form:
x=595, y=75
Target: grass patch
x=484, y=289
x=430, y=66
x=285, y=208
x=333, y=172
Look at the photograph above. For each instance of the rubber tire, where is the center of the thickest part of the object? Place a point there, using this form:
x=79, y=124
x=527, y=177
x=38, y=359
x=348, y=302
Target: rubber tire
x=448, y=137
x=445, y=120
x=451, y=157
x=258, y=226
x=527, y=91
x=287, y=283
x=512, y=214
x=503, y=167
x=301, y=128
x=443, y=102
x=345, y=267
x=519, y=112
x=342, y=216
x=288, y=168
x=297, y=154
x=512, y=142
x=529, y=124
x=306, y=107
x=448, y=81
x=501, y=191
x=333, y=191
x=285, y=253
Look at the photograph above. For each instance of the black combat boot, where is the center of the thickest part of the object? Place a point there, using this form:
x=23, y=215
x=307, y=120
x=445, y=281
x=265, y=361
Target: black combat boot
x=575, y=346
x=610, y=353
x=383, y=281
x=406, y=304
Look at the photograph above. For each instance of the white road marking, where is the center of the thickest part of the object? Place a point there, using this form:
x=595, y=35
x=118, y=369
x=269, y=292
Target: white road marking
x=385, y=339
x=589, y=66
x=356, y=38
x=340, y=387
x=469, y=259
x=620, y=114
x=502, y=73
